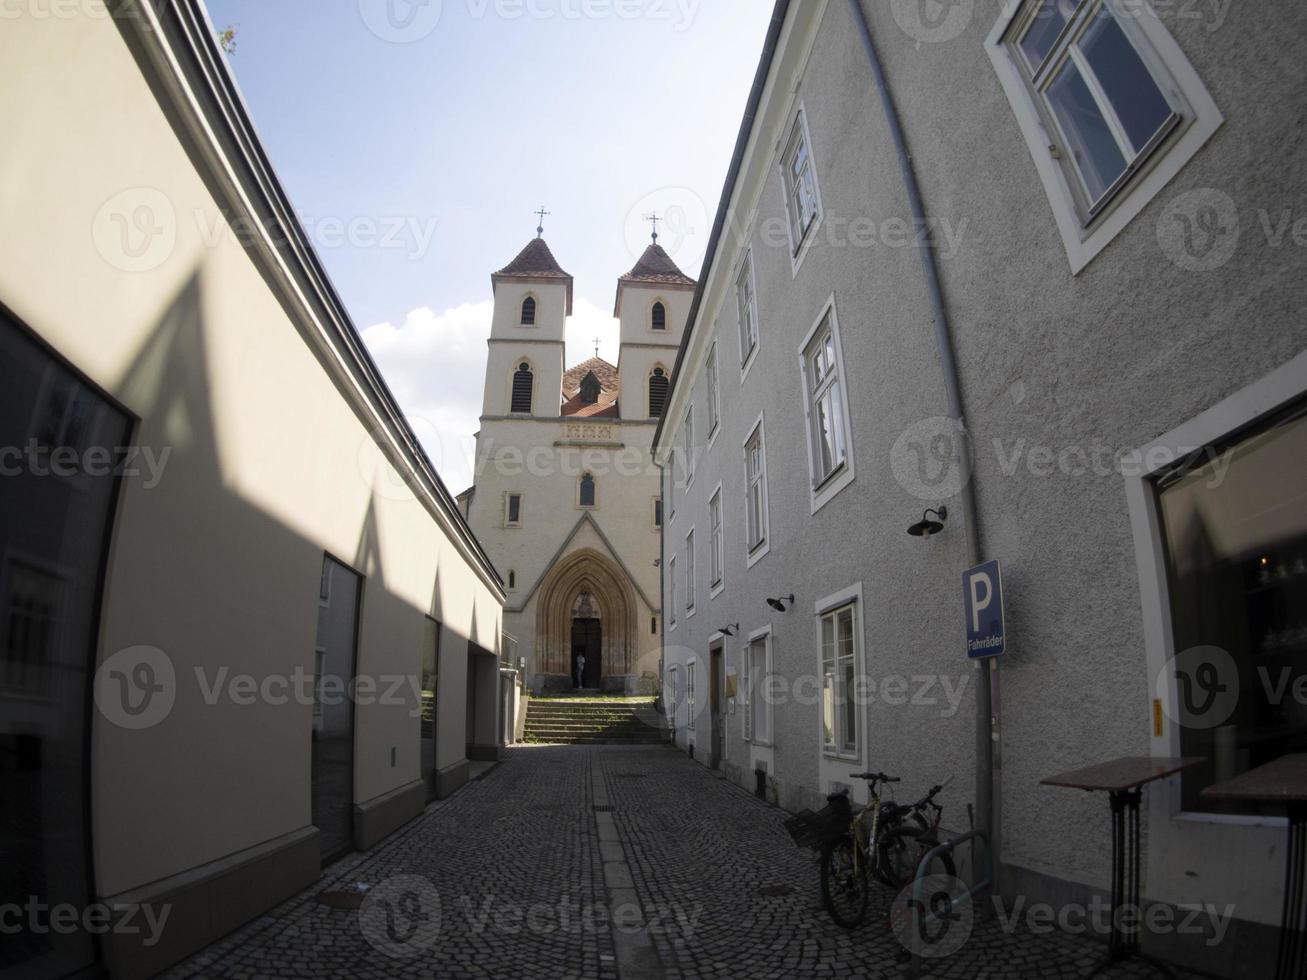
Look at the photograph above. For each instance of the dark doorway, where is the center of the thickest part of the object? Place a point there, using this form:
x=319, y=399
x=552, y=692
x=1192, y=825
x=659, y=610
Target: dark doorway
x=587, y=642
x=716, y=683
x=430, y=684
x=333, y=709
x=55, y=520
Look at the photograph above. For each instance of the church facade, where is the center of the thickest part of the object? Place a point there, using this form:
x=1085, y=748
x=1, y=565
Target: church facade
x=566, y=499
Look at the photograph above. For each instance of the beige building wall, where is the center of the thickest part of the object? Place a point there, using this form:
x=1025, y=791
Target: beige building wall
x=278, y=452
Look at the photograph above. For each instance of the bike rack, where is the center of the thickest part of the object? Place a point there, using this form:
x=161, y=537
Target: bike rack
x=947, y=847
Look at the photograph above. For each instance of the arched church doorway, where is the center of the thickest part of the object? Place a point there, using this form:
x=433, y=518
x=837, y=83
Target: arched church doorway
x=587, y=643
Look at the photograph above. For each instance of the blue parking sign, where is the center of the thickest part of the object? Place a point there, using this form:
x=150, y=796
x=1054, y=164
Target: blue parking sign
x=982, y=598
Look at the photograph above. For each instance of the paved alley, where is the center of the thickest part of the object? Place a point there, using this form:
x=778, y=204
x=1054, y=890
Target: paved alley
x=577, y=862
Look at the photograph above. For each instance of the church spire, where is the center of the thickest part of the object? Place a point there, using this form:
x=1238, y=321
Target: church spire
x=542, y=214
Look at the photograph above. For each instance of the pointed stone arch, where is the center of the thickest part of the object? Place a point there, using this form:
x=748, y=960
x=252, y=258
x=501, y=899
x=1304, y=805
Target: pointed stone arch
x=585, y=571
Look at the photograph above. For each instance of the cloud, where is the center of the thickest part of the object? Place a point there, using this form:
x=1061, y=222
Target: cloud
x=435, y=363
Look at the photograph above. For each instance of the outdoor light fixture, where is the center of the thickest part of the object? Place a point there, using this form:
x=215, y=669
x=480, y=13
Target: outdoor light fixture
x=779, y=604
x=729, y=630
x=925, y=528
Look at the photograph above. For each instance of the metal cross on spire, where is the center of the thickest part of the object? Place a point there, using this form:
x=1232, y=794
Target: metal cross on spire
x=542, y=214
x=596, y=347
x=654, y=219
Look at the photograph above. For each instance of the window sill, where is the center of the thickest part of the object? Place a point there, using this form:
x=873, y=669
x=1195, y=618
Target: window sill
x=716, y=589
x=747, y=364
x=759, y=553
x=836, y=756
x=800, y=253
x=833, y=486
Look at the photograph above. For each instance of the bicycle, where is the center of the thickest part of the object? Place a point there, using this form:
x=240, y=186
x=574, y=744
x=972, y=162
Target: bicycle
x=884, y=839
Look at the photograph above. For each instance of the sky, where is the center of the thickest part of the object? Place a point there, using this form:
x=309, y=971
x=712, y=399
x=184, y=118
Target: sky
x=416, y=139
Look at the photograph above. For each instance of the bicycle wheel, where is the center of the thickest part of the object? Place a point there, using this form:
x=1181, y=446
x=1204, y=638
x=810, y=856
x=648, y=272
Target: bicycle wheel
x=901, y=850
x=843, y=883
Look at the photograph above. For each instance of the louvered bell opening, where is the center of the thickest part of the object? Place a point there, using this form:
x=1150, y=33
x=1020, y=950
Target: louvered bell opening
x=657, y=394
x=522, y=385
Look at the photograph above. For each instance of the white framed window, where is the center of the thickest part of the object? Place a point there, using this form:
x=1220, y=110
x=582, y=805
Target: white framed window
x=1109, y=105
x=746, y=304
x=755, y=489
x=690, y=596
x=674, y=694
x=512, y=510
x=671, y=593
x=757, y=667
x=714, y=393
x=687, y=445
x=821, y=360
x=838, y=630
x=690, y=666
x=802, y=199
x=718, y=541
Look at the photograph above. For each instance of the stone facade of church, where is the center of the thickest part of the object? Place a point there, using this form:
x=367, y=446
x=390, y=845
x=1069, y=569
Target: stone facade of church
x=566, y=497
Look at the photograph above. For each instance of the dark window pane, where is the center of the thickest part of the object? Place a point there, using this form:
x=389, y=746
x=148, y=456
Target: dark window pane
x=1043, y=32
x=1130, y=88
x=528, y=311
x=1236, y=549
x=587, y=491
x=1092, y=145
x=523, y=385
x=659, y=317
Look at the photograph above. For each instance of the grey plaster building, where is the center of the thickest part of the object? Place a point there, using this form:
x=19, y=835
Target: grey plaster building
x=1040, y=265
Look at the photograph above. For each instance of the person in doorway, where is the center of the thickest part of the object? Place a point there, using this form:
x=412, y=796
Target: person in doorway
x=580, y=670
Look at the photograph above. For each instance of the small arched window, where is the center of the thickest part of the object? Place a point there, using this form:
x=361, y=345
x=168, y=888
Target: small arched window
x=659, y=316
x=587, y=492
x=512, y=579
x=657, y=393
x=529, y=311
x=523, y=388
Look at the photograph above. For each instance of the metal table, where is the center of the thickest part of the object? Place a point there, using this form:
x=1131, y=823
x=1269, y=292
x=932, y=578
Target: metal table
x=1283, y=781
x=1122, y=779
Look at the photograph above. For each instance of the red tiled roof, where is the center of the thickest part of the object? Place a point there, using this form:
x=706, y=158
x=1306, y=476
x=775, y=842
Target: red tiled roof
x=656, y=265
x=605, y=372
x=535, y=262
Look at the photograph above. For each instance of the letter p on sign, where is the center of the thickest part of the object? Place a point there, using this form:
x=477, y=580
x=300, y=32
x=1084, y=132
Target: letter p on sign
x=982, y=597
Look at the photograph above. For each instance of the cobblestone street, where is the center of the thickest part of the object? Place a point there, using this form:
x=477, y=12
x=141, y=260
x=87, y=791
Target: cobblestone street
x=514, y=876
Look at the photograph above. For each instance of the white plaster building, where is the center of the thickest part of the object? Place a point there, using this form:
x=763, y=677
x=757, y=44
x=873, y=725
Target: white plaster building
x=566, y=499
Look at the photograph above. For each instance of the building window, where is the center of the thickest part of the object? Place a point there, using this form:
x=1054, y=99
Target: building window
x=657, y=512
x=512, y=510
x=659, y=316
x=529, y=311
x=689, y=572
x=714, y=395
x=1103, y=96
x=718, y=539
x=687, y=445
x=658, y=385
x=800, y=184
x=689, y=691
x=1234, y=534
x=653, y=625
x=523, y=390
x=324, y=582
x=586, y=493
x=757, y=671
x=512, y=579
x=839, y=716
x=755, y=473
x=747, y=309
x=671, y=592
x=827, y=425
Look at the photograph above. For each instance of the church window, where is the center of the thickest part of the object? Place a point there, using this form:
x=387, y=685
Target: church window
x=529, y=311
x=587, y=491
x=513, y=510
x=512, y=579
x=658, y=385
x=659, y=316
x=523, y=389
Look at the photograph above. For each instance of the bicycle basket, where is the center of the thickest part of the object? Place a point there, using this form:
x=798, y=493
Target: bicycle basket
x=828, y=824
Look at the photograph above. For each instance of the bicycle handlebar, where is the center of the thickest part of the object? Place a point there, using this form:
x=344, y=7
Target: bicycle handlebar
x=874, y=777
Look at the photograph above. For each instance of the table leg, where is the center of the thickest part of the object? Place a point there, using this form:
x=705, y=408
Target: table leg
x=1293, y=947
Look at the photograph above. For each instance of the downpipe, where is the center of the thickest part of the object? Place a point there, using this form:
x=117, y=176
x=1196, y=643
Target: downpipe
x=986, y=734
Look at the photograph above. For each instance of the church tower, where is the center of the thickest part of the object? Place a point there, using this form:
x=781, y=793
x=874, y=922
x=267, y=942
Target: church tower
x=566, y=497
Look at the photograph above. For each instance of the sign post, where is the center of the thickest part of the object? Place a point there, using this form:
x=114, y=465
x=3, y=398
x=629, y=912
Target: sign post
x=982, y=598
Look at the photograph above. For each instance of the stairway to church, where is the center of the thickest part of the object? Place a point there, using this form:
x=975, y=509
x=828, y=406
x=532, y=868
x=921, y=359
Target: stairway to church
x=578, y=721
